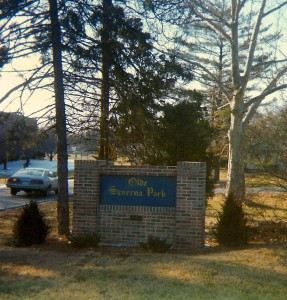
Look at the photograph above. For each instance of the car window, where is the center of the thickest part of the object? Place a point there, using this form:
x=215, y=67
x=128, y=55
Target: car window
x=51, y=174
x=30, y=172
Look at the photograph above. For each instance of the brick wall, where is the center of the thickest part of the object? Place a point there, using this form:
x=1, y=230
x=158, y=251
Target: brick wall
x=182, y=225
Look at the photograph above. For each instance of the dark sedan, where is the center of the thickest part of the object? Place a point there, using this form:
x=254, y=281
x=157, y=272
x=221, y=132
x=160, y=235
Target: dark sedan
x=33, y=180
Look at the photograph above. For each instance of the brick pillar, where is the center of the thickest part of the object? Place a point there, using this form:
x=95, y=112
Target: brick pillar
x=190, y=206
x=86, y=197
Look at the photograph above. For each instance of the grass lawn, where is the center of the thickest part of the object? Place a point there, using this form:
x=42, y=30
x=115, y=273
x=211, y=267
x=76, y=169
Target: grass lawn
x=255, y=179
x=57, y=271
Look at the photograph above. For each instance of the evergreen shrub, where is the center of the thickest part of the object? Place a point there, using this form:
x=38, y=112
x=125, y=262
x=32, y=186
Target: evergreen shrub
x=31, y=226
x=156, y=244
x=231, y=227
x=87, y=240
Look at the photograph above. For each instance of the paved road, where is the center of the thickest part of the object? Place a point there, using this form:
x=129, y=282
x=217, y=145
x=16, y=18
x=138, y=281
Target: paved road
x=8, y=201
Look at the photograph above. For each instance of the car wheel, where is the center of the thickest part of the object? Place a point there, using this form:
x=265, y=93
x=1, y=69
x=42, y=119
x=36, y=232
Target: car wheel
x=45, y=192
x=13, y=192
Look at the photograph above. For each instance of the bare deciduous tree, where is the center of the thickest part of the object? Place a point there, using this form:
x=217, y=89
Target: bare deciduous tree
x=257, y=66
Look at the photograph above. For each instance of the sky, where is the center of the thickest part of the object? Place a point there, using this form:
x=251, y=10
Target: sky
x=9, y=79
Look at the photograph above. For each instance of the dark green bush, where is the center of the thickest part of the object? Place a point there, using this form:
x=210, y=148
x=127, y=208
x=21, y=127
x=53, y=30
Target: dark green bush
x=31, y=226
x=231, y=228
x=83, y=241
x=156, y=244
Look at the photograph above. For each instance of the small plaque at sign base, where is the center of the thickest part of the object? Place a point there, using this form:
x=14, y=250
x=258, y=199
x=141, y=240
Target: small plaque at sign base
x=136, y=218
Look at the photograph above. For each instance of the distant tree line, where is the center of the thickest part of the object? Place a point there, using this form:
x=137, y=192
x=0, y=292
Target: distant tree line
x=20, y=138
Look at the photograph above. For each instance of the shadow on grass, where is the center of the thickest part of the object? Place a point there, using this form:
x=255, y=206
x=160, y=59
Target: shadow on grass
x=251, y=273
x=254, y=204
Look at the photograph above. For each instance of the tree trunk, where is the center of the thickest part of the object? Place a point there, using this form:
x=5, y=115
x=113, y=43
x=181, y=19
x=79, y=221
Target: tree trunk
x=63, y=198
x=235, y=176
x=216, y=168
x=105, y=92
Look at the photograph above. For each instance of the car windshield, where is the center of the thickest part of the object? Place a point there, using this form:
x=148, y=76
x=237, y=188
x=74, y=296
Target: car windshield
x=30, y=172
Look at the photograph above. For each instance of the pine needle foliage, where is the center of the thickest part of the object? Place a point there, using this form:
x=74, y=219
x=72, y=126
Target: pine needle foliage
x=31, y=226
x=231, y=228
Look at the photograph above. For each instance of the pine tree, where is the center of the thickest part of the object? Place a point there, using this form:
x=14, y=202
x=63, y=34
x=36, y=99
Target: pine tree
x=231, y=228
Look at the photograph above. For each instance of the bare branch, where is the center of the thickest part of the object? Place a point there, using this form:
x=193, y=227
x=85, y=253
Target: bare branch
x=275, y=9
x=252, y=46
x=252, y=105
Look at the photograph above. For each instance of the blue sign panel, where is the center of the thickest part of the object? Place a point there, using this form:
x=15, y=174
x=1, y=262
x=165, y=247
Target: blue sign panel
x=138, y=190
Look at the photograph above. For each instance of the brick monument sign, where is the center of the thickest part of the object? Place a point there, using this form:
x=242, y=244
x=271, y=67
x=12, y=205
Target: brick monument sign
x=125, y=205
